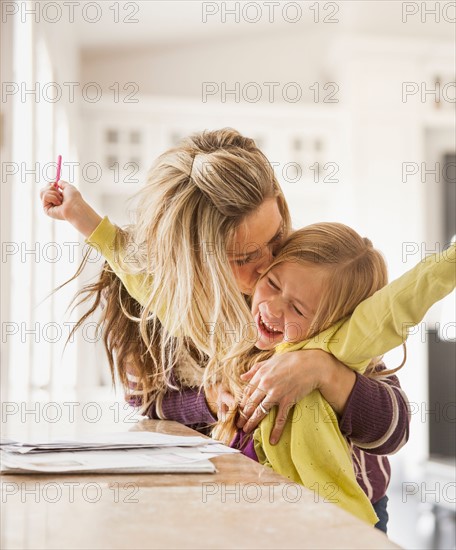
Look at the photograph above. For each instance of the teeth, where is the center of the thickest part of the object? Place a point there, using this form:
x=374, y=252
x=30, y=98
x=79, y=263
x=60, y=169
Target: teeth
x=268, y=326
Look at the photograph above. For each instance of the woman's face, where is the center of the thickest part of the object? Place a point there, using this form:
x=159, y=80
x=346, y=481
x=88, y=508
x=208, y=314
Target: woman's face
x=255, y=242
x=285, y=301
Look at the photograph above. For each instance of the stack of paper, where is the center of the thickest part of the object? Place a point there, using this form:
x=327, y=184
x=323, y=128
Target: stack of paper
x=129, y=452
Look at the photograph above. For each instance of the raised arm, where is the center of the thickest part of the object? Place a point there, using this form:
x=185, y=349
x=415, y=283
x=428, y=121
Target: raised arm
x=380, y=323
x=105, y=239
x=66, y=203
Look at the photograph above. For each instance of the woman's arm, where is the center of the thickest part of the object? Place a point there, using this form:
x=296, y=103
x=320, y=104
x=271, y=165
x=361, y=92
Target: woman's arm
x=377, y=325
x=187, y=406
x=285, y=379
x=373, y=412
x=376, y=417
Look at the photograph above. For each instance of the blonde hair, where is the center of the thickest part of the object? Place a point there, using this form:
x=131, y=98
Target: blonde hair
x=196, y=196
x=353, y=271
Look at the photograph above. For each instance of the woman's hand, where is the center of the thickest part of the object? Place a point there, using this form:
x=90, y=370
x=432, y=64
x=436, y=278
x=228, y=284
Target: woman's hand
x=65, y=202
x=287, y=378
x=220, y=401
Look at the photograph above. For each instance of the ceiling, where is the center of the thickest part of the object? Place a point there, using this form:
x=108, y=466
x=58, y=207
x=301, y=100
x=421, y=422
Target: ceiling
x=161, y=22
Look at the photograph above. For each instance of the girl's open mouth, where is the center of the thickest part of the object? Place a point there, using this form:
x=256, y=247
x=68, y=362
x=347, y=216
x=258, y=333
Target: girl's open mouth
x=267, y=330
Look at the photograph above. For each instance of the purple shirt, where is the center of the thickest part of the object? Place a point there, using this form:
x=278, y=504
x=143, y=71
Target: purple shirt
x=376, y=420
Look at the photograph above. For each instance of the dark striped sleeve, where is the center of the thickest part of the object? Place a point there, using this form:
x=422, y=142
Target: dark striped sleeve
x=187, y=406
x=377, y=415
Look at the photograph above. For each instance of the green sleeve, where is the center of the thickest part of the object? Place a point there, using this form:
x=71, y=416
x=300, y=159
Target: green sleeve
x=381, y=322
x=104, y=240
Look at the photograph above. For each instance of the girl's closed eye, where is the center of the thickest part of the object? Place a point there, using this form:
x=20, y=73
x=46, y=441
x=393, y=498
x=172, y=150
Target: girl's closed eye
x=299, y=312
x=272, y=284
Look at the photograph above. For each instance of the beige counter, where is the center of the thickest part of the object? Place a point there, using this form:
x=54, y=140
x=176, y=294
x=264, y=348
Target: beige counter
x=243, y=505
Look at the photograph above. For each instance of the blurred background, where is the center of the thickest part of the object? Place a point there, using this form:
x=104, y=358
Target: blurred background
x=352, y=102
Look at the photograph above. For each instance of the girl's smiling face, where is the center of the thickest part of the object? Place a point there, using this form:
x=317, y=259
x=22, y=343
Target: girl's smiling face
x=285, y=301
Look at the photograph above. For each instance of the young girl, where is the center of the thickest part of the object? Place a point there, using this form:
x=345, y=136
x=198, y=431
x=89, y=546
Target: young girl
x=323, y=291
x=207, y=224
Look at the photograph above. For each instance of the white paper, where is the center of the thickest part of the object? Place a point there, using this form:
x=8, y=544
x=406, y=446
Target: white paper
x=171, y=459
x=125, y=440
x=127, y=452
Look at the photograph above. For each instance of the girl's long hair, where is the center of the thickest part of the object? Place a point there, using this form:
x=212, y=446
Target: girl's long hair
x=196, y=196
x=353, y=271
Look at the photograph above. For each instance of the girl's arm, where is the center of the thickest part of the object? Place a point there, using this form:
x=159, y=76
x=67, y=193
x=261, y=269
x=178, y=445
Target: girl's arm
x=187, y=406
x=66, y=203
x=380, y=323
x=104, y=239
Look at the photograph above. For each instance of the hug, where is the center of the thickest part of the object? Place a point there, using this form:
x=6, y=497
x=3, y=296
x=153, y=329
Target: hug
x=306, y=392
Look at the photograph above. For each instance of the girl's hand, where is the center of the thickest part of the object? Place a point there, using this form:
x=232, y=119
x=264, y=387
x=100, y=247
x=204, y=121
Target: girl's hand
x=59, y=200
x=65, y=202
x=220, y=401
x=284, y=380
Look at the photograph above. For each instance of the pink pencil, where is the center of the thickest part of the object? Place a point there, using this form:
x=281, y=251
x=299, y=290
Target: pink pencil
x=59, y=169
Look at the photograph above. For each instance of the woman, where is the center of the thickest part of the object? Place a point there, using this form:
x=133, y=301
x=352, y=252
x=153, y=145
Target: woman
x=212, y=203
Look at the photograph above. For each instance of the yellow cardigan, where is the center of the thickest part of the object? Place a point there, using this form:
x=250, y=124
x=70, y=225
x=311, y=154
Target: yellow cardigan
x=312, y=450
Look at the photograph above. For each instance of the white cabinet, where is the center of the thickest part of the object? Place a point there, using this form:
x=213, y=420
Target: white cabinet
x=307, y=147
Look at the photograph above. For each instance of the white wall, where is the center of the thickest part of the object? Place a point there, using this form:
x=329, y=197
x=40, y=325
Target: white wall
x=180, y=70
x=42, y=129
x=379, y=132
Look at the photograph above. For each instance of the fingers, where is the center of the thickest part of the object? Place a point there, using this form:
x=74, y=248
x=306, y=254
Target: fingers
x=54, y=193
x=279, y=425
x=247, y=397
x=227, y=398
x=254, y=420
x=253, y=384
x=252, y=413
x=258, y=414
x=46, y=189
x=248, y=390
x=225, y=403
x=51, y=199
x=250, y=373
